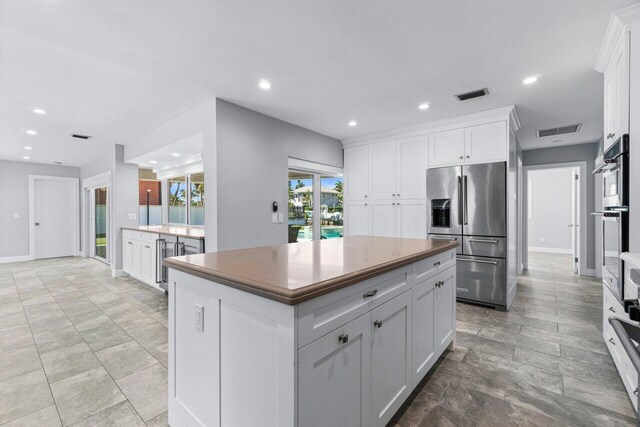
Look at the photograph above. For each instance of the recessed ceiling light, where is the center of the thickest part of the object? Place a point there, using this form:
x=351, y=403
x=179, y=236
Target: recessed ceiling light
x=176, y=155
x=352, y=123
x=26, y=157
x=264, y=84
x=28, y=148
x=32, y=132
x=39, y=111
x=530, y=80
x=423, y=106
x=153, y=162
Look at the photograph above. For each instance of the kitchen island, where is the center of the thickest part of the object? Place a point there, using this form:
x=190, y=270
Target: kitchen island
x=331, y=332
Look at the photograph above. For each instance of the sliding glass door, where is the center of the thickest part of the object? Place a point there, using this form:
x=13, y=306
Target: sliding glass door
x=99, y=210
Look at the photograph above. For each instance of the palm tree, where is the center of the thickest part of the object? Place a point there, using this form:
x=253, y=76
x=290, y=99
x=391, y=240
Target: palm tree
x=338, y=188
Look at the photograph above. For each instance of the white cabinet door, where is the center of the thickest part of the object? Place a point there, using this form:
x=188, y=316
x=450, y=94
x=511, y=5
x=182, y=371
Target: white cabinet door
x=146, y=260
x=334, y=377
x=423, y=356
x=382, y=218
x=356, y=219
x=390, y=357
x=411, y=169
x=127, y=256
x=616, y=93
x=356, y=173
x=382, y=171
x=486, y=143
x=411, y=218
x=136, y=260
x=445, y=308
x=446, y=148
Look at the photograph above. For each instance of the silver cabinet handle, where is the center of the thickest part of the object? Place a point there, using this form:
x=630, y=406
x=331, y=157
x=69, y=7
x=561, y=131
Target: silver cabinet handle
x=378, y=324
x=343, y=338
x=468, y=156
x=494, y=241
x=460, y=200
x=437, y=263
x=370, y=294
x=398, y=195
x=611, y=309
x=612, y=341
x=130, y=243
x=480, y=261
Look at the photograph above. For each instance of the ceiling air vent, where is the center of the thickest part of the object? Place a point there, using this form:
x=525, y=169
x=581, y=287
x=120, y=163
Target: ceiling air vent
x=558, y=131
x=473, y=94
x=76, y=135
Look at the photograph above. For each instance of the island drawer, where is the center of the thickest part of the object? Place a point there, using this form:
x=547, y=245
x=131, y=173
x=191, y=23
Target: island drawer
x=319, y=316
x=429, y=267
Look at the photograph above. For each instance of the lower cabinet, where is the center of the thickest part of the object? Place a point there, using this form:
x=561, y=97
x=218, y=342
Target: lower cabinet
x=334, y=377
x=361, y=373
x=390, y=357
x=139, y=256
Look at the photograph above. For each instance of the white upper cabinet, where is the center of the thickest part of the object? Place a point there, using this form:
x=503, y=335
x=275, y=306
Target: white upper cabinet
x=411, y=169
x=485, y=143
x=616, y=93
x=356, y=173
x=382, y=171
x=473, y=144
x=446, y=148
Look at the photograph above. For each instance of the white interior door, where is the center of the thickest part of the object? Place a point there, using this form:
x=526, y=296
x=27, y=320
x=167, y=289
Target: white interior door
x=575, y=217
x=54, y=218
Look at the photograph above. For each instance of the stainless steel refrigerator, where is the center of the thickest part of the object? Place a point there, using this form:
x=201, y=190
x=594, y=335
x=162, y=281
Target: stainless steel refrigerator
x=469, y=204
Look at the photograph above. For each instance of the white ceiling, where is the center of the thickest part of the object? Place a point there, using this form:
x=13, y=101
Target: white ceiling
x=117, y=69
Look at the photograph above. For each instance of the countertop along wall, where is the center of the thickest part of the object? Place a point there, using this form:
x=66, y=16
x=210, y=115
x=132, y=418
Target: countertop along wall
x=252, y=168
x=566, y=154
x=14, y=179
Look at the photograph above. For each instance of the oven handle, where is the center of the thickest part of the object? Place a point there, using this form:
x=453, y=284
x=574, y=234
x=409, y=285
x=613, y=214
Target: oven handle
x=627, y=332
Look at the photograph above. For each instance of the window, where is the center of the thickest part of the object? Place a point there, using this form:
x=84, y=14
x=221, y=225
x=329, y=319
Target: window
x=186, y=207
x=196, y=195
x=315, y=206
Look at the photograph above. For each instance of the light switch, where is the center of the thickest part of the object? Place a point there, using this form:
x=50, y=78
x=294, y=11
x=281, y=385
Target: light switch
x=132, y=217
x=16, y=215
x=274, y=217
x=199, y=317
x=280, y=218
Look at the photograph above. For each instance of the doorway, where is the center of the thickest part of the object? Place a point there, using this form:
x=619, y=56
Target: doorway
x=555, y=217
x=100, y=223
x=53, y=216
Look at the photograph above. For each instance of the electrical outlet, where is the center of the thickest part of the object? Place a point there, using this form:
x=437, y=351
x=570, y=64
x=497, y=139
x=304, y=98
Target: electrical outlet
x=199, y=317
x=132, y=217
x=274, y=217
x=280, y=218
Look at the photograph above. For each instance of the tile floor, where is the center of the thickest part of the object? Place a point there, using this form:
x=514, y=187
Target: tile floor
x=78, y=347
x=543, y=363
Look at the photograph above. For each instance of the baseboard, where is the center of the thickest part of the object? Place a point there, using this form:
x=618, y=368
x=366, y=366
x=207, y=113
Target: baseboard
x=550, y=250
x=118, y=273
x=19, y=258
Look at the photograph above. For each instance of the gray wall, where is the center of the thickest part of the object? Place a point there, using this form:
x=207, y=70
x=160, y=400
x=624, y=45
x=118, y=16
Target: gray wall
x=123, y=195
x=252, y=166
x=566, y=154
x=548, y=228
x=14, y=181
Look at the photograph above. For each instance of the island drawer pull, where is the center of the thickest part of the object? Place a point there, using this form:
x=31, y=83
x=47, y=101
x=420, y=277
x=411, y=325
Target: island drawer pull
x=437, y=263
x=611, y=309
x=343, y=338
x=370, y=294
x=378, y=324
x=612, y=341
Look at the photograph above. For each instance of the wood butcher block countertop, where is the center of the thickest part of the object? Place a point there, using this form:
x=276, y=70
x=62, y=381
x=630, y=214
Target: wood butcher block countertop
x=296, y=272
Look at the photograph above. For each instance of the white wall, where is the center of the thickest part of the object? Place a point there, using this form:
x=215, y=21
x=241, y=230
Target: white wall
x=550, y=209
x=14, y=181
x=253, y=151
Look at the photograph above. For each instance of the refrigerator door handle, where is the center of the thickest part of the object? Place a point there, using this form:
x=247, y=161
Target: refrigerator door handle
x=460, y=200
x=466, y=212
x=479, y=261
